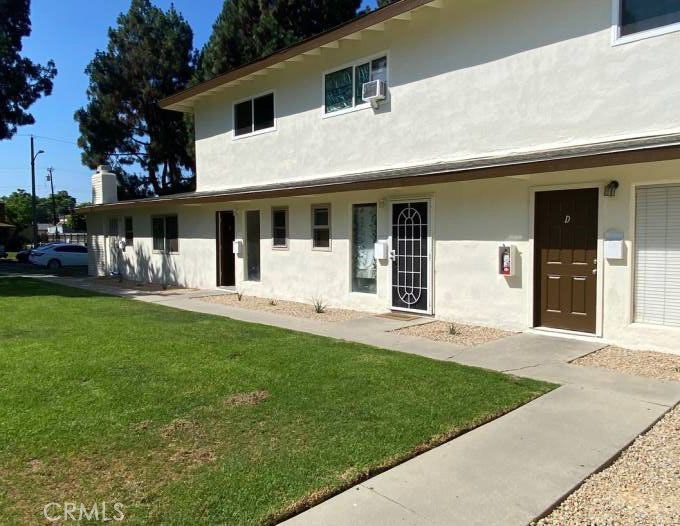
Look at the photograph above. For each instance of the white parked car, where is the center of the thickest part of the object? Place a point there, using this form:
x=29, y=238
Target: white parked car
x=59, y=255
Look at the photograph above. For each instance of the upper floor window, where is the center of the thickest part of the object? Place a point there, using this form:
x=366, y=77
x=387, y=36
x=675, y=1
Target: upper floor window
x=640, y=18
x=254, y=115
x=342, y=88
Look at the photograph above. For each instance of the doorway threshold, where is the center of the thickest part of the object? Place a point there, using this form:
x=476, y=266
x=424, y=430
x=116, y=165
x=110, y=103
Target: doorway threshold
x=564, y=333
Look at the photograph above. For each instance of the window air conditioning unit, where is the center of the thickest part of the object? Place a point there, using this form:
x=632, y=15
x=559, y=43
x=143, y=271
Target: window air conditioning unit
x=374, y=91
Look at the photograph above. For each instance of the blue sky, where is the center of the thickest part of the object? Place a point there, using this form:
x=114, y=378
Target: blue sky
x=69, y=32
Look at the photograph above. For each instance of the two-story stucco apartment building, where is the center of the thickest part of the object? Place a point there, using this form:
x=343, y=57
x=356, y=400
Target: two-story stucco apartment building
x=521, y=171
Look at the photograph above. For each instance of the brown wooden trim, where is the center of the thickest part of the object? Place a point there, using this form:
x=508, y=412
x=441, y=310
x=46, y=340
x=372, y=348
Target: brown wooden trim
x=663, y=153
x=357, y=24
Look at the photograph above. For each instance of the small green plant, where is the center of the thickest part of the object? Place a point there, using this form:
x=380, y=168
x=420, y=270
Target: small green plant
x=164, y=286
x=273, y=302
x=453, y=331
x=320, y=305
x=239, y=295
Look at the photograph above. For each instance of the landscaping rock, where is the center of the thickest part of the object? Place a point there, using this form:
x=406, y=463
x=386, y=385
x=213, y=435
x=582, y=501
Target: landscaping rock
x=642, y=487
x=658, y=365
x=466, y=335
x=287, y=308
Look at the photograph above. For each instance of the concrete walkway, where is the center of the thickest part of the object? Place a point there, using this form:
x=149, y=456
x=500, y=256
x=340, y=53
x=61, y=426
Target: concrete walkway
x=507, y=472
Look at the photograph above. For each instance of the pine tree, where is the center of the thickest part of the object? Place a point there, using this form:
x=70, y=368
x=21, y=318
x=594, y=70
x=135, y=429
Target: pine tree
x=149, y=56
x=21, y=81
x=247, y=30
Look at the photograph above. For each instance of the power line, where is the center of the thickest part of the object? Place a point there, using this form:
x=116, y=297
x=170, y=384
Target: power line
x=66, y=141
x=55, y=139
x=63, y=170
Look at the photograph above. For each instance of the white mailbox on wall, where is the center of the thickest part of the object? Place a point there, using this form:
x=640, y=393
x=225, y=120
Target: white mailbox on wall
x=237, y=247
x=613, y=244
x=380, y=251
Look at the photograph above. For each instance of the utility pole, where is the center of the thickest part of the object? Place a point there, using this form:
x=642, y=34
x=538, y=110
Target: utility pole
x=33, y=200
x=55, y=219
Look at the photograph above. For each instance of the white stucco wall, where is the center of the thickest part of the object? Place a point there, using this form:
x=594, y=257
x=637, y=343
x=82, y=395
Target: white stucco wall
x=471, y=219
x=472, y=79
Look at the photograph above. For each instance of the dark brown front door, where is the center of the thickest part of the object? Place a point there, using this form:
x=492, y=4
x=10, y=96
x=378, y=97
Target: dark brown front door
x=226, y=234
x=565, y=240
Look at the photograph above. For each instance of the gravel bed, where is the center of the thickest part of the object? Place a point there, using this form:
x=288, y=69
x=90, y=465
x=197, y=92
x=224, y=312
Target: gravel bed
x=641, y=488
x=467, y=335
x=651, y=364
x=288, y=308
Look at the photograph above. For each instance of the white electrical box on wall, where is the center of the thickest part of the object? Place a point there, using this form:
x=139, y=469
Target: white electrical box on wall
x=237, y=247
x=613, y=244
x=507, y=260
x=380, y=251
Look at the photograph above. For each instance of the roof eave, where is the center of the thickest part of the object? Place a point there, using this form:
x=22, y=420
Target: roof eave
x=594, y=155
x=185, y=100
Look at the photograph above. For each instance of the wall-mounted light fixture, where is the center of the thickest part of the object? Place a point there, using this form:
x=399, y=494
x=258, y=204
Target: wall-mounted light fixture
x=610, y=189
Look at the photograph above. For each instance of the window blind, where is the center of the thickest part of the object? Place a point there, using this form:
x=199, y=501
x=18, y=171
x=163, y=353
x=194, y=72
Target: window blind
x=657, y=255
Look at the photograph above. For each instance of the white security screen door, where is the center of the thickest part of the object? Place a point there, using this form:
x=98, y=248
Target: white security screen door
x=657, y=255
x=410, y=256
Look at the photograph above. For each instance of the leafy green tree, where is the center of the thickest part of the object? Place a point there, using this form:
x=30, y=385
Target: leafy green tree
x=149, y=56
x=64, y=204
x=19, y=211
x=76, y=221
x=21, y=81
x=18, y=208
x=247, y=30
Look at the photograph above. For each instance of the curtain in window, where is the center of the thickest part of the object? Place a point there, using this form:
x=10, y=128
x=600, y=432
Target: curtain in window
x=338, y=90
x=365, y=235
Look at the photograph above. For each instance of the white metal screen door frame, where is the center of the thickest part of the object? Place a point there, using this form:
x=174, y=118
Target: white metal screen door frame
x=411, y=274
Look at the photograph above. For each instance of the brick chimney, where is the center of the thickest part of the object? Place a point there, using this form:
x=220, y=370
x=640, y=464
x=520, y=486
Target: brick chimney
x=104, y=186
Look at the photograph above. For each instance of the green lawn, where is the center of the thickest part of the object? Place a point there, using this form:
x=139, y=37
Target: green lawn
x=193, y=419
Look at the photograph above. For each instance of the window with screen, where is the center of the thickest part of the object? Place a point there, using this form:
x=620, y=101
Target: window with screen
x=165, y=234
x=321, y=227
x=342, y=88
x=641, y=16
x=254, y=115
x=280, y=227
